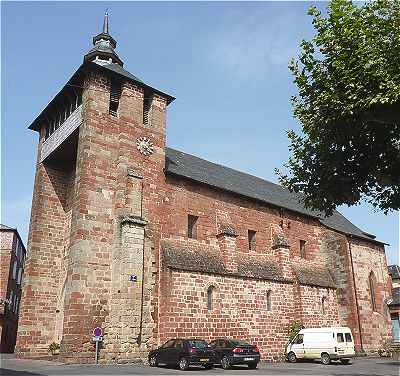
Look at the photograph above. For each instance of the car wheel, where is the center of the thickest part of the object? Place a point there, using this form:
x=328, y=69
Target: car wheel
x=252, y=365
x=292, y=357
x=183, y=364
x=153, y=361
x=345, y=361
x=225, y=363
x=325, y=359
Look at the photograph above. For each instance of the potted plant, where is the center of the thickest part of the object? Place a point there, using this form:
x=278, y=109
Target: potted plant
x=54, y=348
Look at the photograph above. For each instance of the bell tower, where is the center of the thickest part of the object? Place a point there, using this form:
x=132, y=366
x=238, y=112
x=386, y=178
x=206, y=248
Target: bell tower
x=96, y=217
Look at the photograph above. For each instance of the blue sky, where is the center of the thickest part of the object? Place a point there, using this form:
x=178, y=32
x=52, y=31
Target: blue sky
x=226, y=63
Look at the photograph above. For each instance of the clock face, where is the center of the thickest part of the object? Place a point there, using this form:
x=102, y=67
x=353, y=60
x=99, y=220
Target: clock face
x=145, y=146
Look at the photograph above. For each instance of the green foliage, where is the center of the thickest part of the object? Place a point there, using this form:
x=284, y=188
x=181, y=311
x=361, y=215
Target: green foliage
x=348, y=104
x=293, y=329
x=54, y=347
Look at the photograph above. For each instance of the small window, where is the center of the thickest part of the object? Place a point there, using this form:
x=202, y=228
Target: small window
x=147, y=101
x=303, y=249
x=252, y=240
x=323, y=302
x=371, y=282
x=115, y=95
x=269, y=302
x=192, y=226
x=340, y=337
x=210, y=297
x=348, y=337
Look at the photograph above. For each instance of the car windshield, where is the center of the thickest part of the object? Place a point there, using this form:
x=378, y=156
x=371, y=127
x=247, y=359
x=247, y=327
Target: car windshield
x=238, y=342
x=198, y=344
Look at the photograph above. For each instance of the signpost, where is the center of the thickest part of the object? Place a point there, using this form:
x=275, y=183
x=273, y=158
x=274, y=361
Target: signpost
x=97, y=338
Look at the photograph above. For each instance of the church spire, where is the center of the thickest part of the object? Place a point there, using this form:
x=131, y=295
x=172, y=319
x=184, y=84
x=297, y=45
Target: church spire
x=105, y=23
x=104, y=44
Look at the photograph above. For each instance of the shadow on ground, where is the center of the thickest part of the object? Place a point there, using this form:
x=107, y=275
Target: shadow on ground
x=11, y=372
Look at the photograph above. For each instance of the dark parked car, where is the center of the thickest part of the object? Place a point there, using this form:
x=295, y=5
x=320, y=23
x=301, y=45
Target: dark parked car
x=233, y=351
x=183, y=353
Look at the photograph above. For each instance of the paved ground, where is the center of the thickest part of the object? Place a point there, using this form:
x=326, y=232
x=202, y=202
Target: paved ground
x=359, y=367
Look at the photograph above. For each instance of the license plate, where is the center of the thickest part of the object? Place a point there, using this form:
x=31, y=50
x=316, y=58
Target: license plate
x=204, y=360
x=248, y=359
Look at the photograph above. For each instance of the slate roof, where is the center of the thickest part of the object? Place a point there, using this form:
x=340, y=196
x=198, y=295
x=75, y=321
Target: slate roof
x=207, y=259
x=4, y=227
x=75, y=80
x=314, y=277
x=394, y=271
x=220, y=177
x=192, y=258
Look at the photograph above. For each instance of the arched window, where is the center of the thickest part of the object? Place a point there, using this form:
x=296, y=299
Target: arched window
x=269, y=302
x=371, y=283
x=210, y=298
x=323, y=302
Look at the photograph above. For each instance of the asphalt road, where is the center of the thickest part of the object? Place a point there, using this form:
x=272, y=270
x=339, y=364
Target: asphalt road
x=359, y=367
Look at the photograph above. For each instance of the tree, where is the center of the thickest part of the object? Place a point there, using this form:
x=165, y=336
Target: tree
x=348, y=104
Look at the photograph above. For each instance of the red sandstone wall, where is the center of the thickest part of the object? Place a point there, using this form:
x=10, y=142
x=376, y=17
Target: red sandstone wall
x=375, y=325
x=240, y=309
x=6, y=242
x=44, y=262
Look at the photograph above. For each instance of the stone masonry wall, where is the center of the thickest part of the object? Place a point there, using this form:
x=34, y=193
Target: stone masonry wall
x=239, y=309
x=375, y=325
x=43, y=265
x=324, y=248
x=6, y=243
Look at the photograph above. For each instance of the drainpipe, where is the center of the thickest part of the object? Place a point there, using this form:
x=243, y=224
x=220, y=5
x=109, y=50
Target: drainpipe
x=355, y=295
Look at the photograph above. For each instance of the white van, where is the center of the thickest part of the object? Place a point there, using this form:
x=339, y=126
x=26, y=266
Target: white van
x=322, y=343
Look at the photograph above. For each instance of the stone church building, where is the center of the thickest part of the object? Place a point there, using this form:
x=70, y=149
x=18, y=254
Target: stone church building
x=150, y=243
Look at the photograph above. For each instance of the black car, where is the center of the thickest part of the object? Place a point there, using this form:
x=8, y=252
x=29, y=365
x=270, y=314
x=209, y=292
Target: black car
x=233, y=351
x=183, y=353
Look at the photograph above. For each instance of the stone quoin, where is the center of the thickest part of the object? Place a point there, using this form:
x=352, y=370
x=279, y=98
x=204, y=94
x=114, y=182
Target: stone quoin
x=215, y=252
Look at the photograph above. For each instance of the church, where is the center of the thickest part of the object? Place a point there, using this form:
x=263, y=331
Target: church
x=151, y=243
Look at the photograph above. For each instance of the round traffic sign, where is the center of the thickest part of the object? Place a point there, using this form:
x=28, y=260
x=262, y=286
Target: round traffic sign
x=97, y=332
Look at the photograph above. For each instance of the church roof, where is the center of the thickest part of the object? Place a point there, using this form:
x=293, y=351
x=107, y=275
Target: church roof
x=230, y=180
x=4, y=227
x=208, y=259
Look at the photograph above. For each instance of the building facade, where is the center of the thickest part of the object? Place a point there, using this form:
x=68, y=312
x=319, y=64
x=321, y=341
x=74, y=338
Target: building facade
x=151, y=243
x=12, y=257
x=394, y=306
